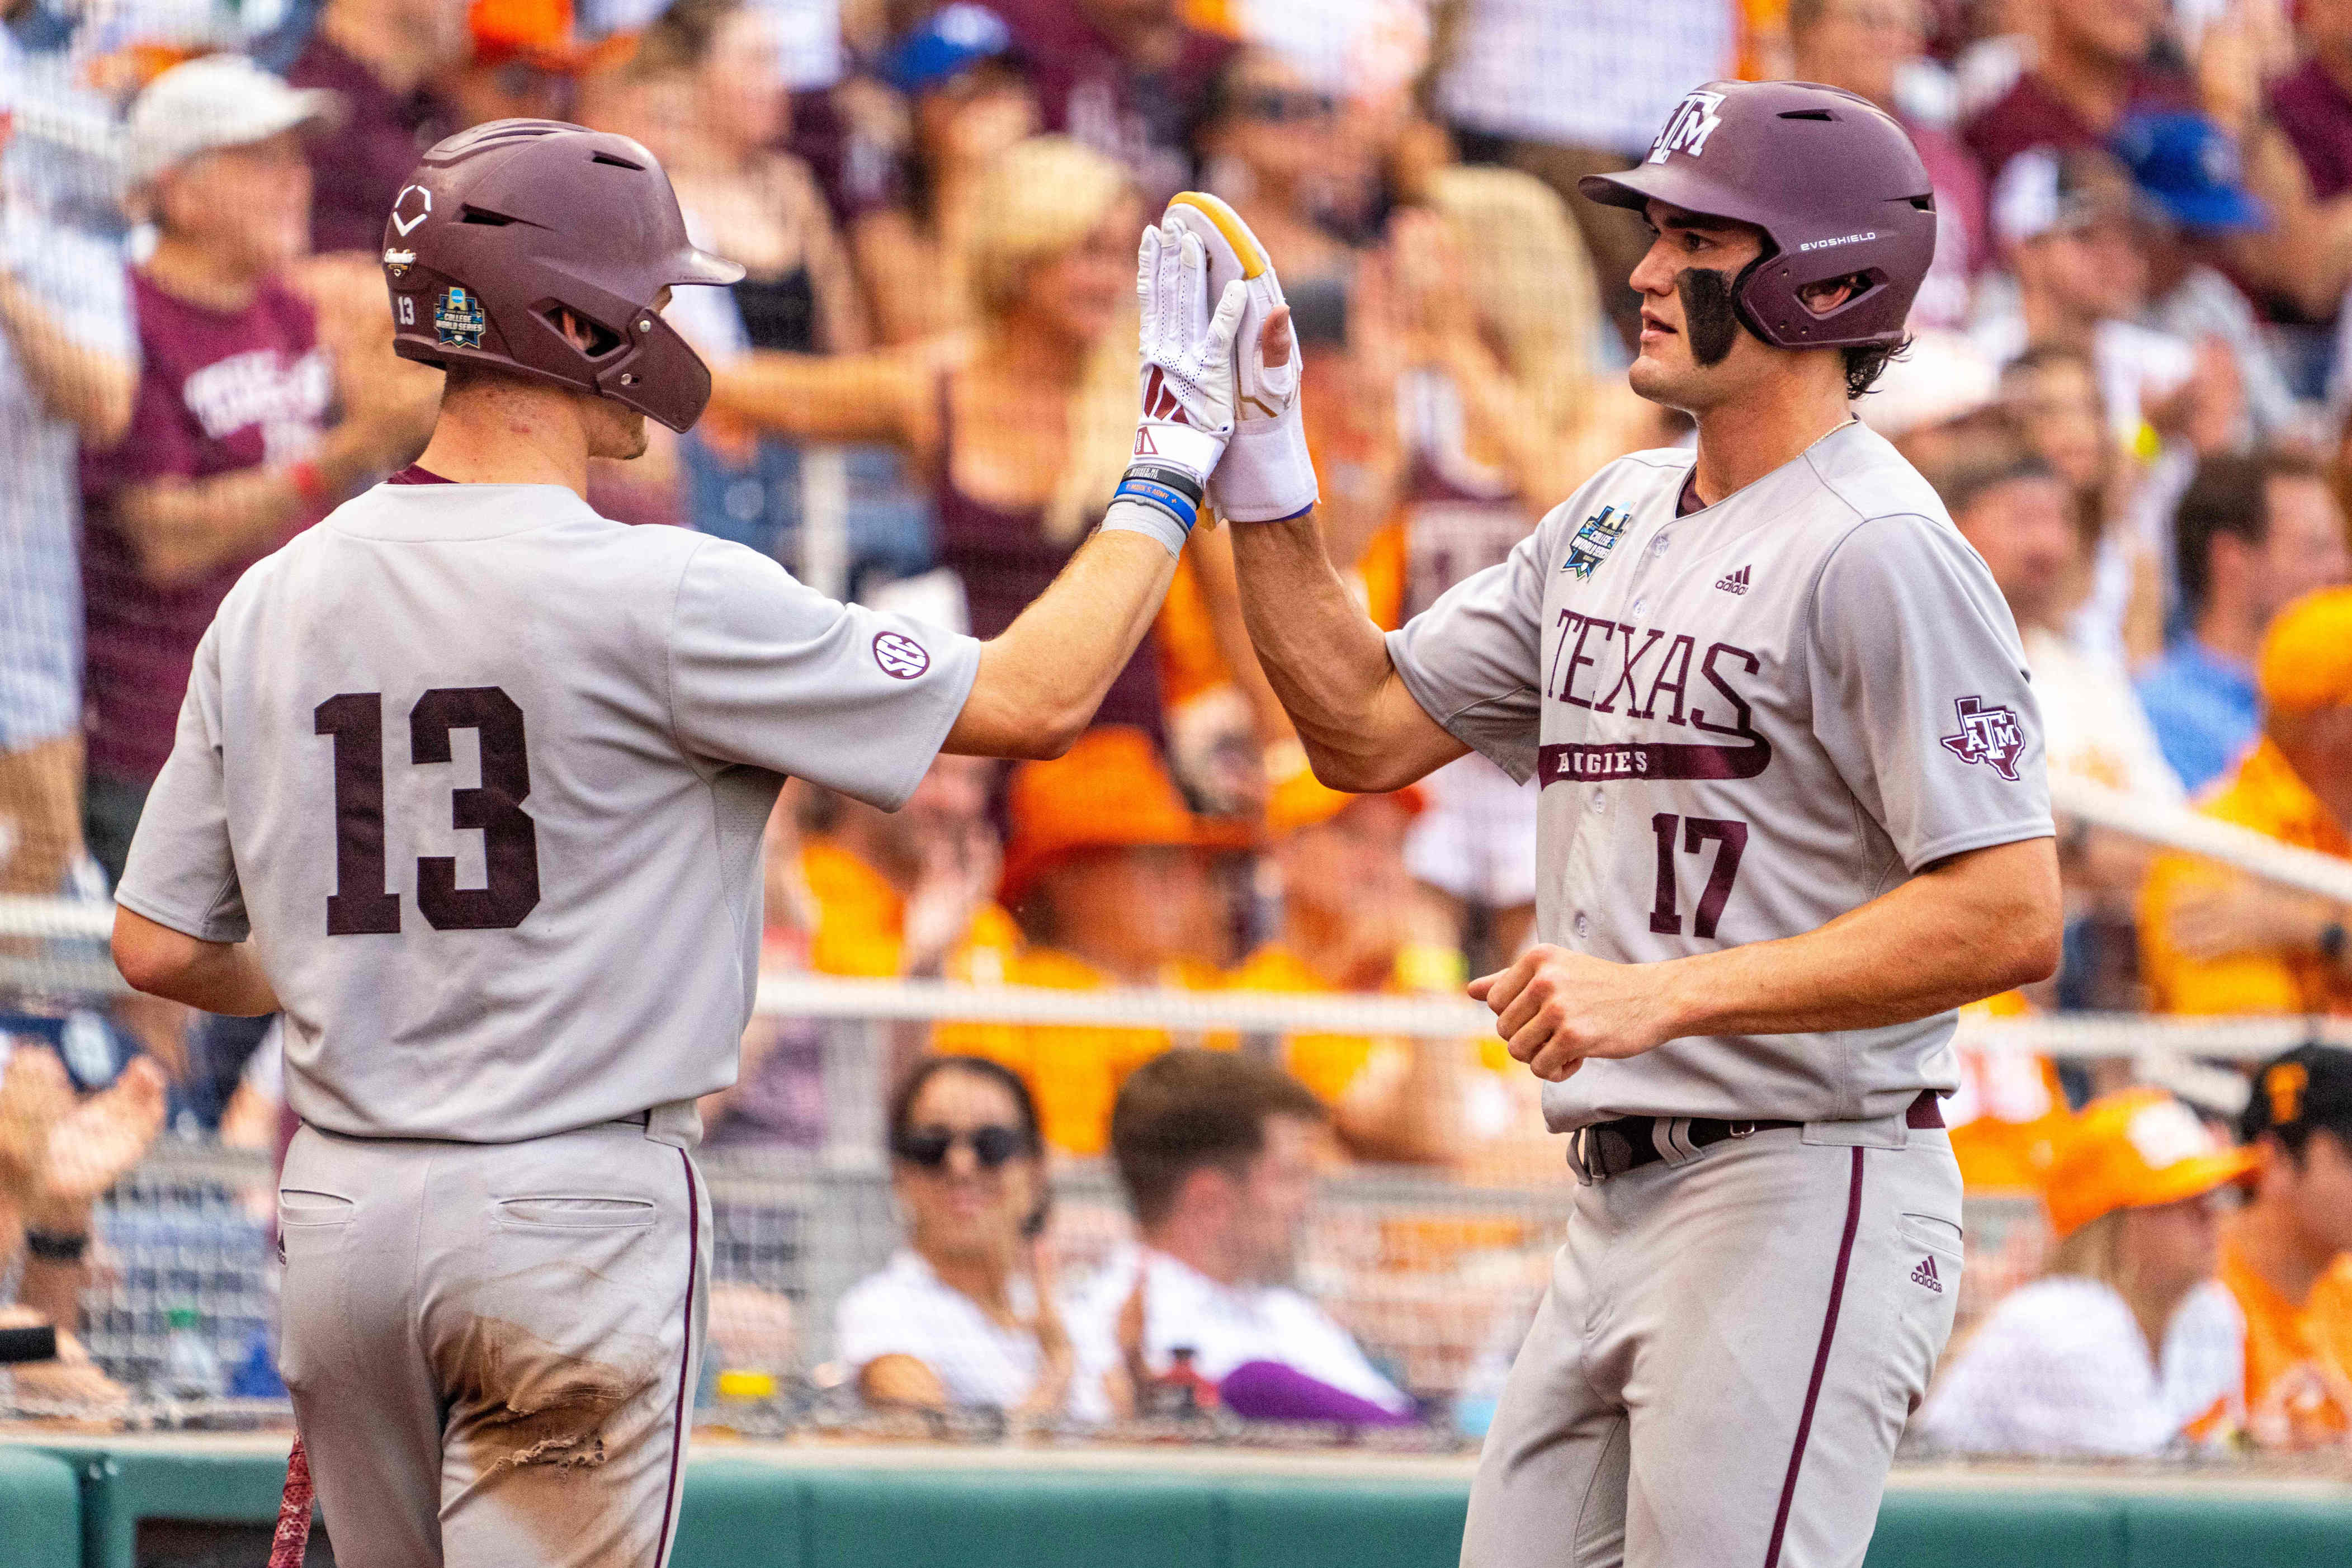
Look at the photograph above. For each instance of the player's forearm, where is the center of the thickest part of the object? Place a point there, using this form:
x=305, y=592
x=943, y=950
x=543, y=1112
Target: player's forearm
x=1040, y=682
x=1977, y=925
x=212, y=976
x=1328, y=663
x=1212, y=567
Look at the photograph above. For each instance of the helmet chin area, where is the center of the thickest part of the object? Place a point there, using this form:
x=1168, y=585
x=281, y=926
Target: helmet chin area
x=661, y=376
x=1710, y=320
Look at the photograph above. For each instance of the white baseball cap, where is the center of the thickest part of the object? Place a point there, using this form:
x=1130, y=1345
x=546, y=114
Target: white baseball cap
x=218, y=100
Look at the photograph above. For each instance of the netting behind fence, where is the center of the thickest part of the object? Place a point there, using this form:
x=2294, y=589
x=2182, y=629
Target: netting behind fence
x=1433, y=1273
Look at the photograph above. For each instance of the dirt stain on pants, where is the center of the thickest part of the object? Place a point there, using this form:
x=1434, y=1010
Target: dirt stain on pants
x=528, y=1414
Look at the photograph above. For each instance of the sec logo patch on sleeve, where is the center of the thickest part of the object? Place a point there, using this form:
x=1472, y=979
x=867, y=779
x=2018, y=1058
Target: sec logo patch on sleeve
x=901, y=656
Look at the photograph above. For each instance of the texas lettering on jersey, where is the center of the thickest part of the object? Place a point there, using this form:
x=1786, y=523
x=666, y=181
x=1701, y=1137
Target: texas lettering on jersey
x=1649, y=678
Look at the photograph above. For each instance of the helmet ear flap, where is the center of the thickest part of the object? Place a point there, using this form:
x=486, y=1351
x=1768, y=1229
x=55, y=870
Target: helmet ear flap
x=659, y=375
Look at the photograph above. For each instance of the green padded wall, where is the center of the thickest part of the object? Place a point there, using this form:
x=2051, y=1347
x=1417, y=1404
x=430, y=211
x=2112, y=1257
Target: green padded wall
x=2238, y=1532
x=81, y=1502
x=1275, y=1523
x=1937, y=1528
x=876, y=1519
x=738, y=1510
x=40, y=1510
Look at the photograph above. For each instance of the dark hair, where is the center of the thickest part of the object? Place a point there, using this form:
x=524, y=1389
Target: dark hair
x=1863, y=366
x=2231, y=494
x=1189, y=1108
x=898, y=1122
x=910, y=1088
x=1985, y=460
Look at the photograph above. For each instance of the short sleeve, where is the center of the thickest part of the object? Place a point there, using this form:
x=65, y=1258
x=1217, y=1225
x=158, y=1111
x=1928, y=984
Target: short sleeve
x=1920, y=694
x=767, y=672
x=181, y=872
x=1471, y=659
x=874, y=1319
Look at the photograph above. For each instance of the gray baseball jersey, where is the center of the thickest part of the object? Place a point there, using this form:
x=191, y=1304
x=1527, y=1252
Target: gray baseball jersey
x=1747, y=720
x=484, y=775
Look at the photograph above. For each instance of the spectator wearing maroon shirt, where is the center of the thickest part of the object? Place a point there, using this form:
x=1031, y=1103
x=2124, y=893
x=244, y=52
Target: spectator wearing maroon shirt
x=1128, y=78
x=2093, y=70
x=230, y=449
x=2314, y=105
x=380, y=56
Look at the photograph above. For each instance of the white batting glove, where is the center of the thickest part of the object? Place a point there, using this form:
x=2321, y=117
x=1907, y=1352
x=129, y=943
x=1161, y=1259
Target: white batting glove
x=1188, y=388
x=1266, y=472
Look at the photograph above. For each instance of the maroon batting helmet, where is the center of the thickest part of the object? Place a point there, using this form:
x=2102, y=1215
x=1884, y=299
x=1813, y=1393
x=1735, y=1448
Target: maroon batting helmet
x=1831, y=179
x=503, y=225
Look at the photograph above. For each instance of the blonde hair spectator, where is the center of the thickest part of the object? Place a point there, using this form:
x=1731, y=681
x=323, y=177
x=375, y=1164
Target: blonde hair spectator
x=1039, y=200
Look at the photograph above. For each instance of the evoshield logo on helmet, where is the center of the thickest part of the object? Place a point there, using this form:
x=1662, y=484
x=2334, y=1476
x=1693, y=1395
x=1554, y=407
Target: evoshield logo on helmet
x=1688, y=129
x=404, y=220
x=458, y=320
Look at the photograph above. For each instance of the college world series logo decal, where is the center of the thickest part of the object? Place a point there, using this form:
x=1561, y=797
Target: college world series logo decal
x=1594, y=539
x=458, y=319
x=1987, y=735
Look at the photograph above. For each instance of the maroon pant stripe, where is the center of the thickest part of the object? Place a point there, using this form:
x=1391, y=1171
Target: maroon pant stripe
x=685, y=1360
x=1821, y=1364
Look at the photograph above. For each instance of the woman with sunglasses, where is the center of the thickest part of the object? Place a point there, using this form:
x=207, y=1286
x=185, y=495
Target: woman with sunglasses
x=964, y=1316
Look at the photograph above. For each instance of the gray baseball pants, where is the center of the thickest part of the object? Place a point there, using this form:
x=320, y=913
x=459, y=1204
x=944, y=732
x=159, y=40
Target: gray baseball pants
x=493, y=1348
x=1726, y=1355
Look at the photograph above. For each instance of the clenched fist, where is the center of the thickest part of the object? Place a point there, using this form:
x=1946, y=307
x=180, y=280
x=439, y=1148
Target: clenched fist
x=1556, y=1008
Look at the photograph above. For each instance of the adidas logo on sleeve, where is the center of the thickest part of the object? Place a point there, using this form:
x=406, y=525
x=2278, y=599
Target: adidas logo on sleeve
x=1734, y=583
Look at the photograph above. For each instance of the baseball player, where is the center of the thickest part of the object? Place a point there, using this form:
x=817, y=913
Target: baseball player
x=470, y=783
x=1793, y=814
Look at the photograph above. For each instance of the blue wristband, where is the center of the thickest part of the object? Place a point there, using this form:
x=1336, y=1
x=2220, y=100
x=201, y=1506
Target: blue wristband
x=1167, y=497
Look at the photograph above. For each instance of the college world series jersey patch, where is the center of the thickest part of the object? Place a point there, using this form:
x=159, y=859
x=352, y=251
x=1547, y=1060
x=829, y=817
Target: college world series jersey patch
x=458, y=319
x=1594, y=540
x=1987, y=735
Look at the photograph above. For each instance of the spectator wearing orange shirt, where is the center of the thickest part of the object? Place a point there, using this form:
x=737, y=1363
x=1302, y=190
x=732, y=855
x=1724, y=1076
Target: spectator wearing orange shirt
x=1104, y=870
x=1351, y=922
x=910, y=892
x=2214, y=941
x=2287, y=1256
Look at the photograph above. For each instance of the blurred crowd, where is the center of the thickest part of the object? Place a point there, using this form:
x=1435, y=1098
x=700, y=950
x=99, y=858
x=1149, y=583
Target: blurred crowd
x=2128, y=381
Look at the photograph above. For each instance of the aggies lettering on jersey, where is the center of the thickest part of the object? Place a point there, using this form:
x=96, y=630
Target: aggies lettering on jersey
x=1738, y=718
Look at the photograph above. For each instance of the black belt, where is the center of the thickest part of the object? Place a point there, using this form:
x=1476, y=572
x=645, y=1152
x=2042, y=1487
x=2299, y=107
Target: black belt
x=1608, y=1149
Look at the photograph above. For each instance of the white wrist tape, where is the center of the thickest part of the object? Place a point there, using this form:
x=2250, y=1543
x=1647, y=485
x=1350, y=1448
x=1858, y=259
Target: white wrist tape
x=1135, y=516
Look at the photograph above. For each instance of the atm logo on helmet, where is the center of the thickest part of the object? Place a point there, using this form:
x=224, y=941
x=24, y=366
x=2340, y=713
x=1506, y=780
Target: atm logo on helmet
x=1688, y=129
